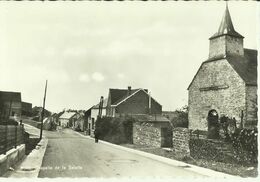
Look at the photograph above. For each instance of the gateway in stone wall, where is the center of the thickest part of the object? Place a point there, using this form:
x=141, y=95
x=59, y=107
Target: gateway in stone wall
x=225, y=84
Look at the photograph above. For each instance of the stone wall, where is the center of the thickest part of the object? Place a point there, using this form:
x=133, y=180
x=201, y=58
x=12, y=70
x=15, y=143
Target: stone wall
x=147, y=134
x=224, y=45
x=180, y=141
x=251, y=107
x=217, y=47
x=216, y=86
x=234, y=46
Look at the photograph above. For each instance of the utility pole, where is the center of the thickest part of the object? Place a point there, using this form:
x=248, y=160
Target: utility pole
x=43, y=108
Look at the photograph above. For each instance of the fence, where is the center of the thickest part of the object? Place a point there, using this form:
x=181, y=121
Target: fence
x=10, y=137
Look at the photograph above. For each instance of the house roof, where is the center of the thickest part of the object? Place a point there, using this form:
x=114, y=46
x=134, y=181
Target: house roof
x=10, y=96
x=126, y=96
x=67, y=115
x=117, y=95
x=104, y=104
x=132, y=93
x=226, y=26
x=245, y=66
x=150, y=118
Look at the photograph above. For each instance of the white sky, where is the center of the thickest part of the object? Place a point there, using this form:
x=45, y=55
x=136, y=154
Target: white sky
x=85, y=48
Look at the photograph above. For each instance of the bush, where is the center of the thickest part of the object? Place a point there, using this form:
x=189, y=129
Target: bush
x=244, y=142
x=181, y=118
x=115, y=130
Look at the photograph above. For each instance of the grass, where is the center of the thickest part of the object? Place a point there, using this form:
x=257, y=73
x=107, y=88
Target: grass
x=233, y=169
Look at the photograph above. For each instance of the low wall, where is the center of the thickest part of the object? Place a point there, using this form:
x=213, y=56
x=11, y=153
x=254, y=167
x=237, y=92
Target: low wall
x=180, y=141
x=11, y=158
x=147, y=134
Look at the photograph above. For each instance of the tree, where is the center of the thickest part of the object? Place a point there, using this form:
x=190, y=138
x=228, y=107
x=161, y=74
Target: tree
x=181, y=117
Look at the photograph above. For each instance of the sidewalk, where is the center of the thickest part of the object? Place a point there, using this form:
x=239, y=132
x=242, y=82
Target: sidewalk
x=197, y=169
x=30, y=166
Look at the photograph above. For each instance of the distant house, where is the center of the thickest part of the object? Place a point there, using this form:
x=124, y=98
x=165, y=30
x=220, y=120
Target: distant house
x=152, y=130
x=92, y=114
x=26, y=109
x=67, y=119
x=10, y=105
x=79, y=122
x=131, y=101
x=55, y=117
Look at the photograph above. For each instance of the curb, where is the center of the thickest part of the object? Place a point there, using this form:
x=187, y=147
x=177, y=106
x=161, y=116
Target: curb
x=11, y=158
x=200, y=170
x=31, y=165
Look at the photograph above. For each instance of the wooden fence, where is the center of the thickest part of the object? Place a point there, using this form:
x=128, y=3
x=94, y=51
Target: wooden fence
x=10, y=137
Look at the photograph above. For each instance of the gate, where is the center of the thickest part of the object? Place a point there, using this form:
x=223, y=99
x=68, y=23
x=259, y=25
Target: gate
x=166, y=137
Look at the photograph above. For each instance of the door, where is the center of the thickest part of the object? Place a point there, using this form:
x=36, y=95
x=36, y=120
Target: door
x=213, y=124
x=166, y=137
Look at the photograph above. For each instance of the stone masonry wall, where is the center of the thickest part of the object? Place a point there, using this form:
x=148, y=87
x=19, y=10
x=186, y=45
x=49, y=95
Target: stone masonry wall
x=180, y=141
x=225, y=45
x=227, y=98
x=234, y=46
x=251, y=106
x=217, y=47
x=146, y=134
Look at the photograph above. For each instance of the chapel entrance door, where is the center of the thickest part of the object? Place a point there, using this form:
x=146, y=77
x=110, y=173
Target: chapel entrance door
x=213, y=125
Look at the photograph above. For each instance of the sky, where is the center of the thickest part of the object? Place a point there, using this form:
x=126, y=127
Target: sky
x=85, y=48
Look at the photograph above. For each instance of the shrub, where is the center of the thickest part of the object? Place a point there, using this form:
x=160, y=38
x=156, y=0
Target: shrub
x=244, y=142
x=181, y=118
x=115, y=130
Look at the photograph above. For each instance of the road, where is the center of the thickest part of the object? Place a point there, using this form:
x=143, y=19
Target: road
x=71, y=155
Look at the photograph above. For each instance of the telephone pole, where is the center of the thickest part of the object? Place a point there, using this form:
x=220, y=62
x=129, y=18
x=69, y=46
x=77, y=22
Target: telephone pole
x=43, y=108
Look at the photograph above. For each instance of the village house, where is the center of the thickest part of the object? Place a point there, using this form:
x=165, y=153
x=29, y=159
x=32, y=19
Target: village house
x=92, y=114
x=225, y=84
x=67, y=119
x=79, y=122
x=26, y=109
x=131, y=101
x=10, y=105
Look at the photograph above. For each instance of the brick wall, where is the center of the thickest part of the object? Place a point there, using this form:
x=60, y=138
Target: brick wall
x=147, y=134
x=180, y=141
x=228, y=100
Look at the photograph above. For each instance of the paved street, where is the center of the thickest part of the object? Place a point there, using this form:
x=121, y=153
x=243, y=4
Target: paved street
x=71, y=155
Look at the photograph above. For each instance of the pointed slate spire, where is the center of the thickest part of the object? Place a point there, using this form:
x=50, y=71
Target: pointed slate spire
x=226, y=26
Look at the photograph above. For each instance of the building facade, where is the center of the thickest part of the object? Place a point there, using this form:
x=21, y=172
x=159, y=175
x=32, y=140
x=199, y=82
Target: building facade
x=26, y=109
x=67, y=119
x=92, y=114
x=10, y=105
x=226, y=83
x=131, y=102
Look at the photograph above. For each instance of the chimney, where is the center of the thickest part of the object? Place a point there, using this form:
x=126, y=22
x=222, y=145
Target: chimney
x=128, y=90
